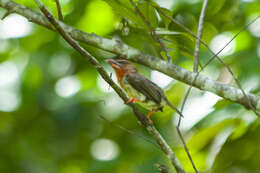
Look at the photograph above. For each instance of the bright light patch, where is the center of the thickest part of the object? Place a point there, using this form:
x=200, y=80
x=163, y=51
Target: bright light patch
x=104, y=149
x=160, y=79
x=254, y=28
x=218, y=42
x=64, y=61
x=9, y=101
x=99, y=18
x=14, y=26
x=104, y=86
x=114, y=104
x=9, y=74
x=197, y=108
x=67, y=86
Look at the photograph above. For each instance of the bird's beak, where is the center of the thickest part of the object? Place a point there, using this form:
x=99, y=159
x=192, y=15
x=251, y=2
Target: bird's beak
x=114, y=63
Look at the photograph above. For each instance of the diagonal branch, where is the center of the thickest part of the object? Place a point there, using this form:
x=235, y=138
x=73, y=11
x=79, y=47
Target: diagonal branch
x=122, y=49
x=151, y=129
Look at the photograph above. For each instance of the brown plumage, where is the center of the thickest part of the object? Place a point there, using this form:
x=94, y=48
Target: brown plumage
x=139, y=88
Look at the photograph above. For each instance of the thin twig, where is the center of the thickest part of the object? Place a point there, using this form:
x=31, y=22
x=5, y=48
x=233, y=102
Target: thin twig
x=151, y=129
x=59, y=10
x=152, y=30
x=186, y=148
x=199, y=34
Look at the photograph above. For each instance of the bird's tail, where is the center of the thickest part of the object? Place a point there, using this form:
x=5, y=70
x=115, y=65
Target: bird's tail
x=172, y=106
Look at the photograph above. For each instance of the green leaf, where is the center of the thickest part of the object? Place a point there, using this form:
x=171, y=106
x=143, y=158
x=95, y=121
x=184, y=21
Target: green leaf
x=214, y=7
x=222, y=103
x=205, y=136
x=126, y=11
x=149, y=13
x=240, y=155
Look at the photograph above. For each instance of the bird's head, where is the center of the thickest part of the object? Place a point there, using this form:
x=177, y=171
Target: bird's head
x=122, y=67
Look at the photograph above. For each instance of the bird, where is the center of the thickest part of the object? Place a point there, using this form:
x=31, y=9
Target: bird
x=139, y=88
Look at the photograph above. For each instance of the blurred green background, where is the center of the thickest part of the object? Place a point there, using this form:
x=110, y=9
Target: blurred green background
x=51, y=99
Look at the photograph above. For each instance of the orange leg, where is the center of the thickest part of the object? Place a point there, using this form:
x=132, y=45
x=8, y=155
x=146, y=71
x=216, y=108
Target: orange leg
x=148, y=115
x=132, y=99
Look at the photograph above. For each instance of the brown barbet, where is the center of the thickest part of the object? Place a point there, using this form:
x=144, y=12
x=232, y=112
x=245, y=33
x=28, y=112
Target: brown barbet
x=139, y=88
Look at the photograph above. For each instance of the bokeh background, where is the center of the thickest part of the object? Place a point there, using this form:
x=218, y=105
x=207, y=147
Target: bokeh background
x=51, y=99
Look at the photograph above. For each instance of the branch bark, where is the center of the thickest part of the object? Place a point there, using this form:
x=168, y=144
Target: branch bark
x=202, y=82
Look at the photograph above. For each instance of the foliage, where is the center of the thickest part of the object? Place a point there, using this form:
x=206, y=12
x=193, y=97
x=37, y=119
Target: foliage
x=51, y=99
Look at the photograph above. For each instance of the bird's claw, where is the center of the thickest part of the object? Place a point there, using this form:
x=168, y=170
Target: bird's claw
x=131, y=100
x=149, y=120
x=148, y=116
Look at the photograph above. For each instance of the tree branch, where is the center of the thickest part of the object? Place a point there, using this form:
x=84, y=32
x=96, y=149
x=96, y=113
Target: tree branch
x=119, y=48
x=151, y=129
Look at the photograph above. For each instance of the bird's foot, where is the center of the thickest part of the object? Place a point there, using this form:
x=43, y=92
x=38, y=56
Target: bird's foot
x=148, y=116
x=132, y=99
x=149, y=120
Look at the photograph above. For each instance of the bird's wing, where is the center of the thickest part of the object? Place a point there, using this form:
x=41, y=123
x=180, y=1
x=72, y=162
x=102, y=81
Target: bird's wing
x=149, y=89
x=145, y=86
